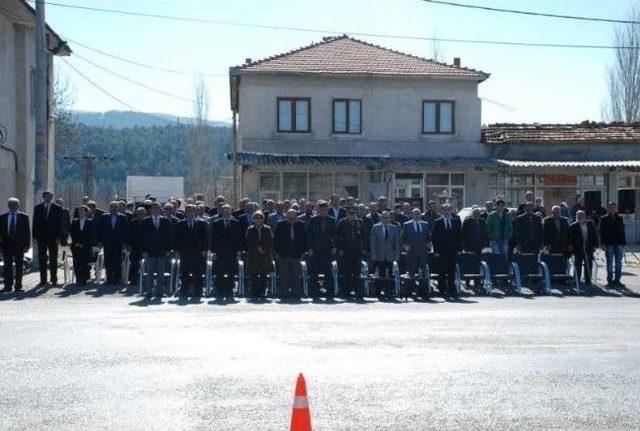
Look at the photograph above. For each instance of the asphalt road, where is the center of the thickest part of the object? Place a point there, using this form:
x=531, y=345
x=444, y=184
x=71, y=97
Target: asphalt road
x=93, y=360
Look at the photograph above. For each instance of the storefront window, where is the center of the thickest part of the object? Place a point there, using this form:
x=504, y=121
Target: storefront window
x=294, y=185
x=347, y=185
x=320, y=186
x=442, y=188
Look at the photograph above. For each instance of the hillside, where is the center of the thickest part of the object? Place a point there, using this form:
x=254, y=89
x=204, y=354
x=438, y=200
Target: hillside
x=129, y=119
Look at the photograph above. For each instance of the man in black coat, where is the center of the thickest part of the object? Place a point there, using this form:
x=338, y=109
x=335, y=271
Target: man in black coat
x=335, y=210
x=191, y=245
x=66, y=222
x=113, y=234
x=306, y=213
x=47, y=233
x=555, y=232
x=82, y=241
x=156, y=247
x=447, y=243
x=15, y=240
x=290, y=243
x=227, y=241
x=583, y=241
x=351, y=240
x=613, y=240
x=136, y=240
x=474, y=232
x=321, y=247
x=527, y=231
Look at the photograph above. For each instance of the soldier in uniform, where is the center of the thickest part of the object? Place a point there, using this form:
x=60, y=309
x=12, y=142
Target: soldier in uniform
x=351, y=240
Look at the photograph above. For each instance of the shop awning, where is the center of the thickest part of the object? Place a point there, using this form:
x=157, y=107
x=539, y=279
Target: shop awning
x=569, y=164
x=379, y=161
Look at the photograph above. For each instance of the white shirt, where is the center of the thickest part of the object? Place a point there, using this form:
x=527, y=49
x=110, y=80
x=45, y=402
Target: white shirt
x=81, y=222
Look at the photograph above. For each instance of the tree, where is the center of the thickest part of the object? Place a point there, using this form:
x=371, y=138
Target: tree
x=64, y=95
x=623, y=101
x=200, y=177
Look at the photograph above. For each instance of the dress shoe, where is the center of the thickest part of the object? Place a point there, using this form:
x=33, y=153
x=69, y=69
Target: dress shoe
x=18, y=288
x=6, y=289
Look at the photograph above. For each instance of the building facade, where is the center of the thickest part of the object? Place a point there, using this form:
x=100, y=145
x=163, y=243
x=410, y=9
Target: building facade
x=348, y=117
x=17, y=101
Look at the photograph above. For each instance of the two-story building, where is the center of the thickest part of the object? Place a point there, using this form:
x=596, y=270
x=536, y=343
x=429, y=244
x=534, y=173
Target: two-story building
x=17, y=101
x=348, y=117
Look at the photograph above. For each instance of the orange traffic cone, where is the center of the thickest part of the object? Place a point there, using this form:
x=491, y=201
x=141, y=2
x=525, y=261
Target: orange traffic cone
x=301, y=417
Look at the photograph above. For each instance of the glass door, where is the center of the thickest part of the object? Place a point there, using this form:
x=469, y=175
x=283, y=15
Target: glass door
x=408, y=188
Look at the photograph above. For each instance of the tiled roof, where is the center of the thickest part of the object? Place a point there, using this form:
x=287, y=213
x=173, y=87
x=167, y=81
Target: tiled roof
x=347, y=56
x=247, y=158
x=562, y=133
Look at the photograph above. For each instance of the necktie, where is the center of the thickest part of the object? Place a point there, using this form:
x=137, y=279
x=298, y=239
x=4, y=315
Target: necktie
x=46, y=210
x=113, y=222
x=12, y=225
x=226, y=223
x=190, y=224
x=386, y=232
x=323, y=225
x=155, y=222
x=447, y=223
x=292, y=233
x=416, y=226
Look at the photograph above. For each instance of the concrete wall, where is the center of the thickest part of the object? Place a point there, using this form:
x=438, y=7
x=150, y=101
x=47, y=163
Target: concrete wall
x=391, y=116
x=567, y=152
x=17, y=60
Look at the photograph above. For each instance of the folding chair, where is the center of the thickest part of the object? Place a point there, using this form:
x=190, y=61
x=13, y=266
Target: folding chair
x=499, y=269
x=304, y=275
x=365, y=276
x=560, y=269
x=529, y=269
x=469, y=266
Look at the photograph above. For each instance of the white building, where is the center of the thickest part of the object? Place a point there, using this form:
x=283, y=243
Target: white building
x=17, y=107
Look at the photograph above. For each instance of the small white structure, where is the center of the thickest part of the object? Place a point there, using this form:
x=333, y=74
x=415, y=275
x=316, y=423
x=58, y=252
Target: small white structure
x=161, y=188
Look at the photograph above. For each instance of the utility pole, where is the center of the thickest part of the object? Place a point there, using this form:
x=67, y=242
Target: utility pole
x=235, y=158
x=89, y=163
x=41, y=108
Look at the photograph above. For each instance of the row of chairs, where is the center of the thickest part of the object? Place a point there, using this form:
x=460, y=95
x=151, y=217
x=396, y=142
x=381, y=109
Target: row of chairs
x=541, y=273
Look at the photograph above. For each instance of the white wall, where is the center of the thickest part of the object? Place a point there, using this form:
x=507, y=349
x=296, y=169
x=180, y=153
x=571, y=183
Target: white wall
x=391, y=116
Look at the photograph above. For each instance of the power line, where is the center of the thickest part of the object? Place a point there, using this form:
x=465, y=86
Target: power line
x=86, y=78
x=136, y=63
x=325, y=31
x=175, y=96
x=532, y=13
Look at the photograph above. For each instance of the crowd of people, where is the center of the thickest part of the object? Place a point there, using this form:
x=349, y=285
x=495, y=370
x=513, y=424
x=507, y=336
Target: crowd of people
x=340, y=229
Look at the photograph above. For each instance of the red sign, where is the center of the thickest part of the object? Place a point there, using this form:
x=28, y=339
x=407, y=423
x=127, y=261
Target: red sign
x=558, y=179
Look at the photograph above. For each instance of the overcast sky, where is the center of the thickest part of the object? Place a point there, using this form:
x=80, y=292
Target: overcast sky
x=540, y=84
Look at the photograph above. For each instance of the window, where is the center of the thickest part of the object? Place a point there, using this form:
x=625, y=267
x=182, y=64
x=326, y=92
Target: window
x=347, y=116
x=320, y=186
x=294, y=115
x=347, y=185
x=438, y=117
x=443, y=188
x=269, y=185
x=294, y=185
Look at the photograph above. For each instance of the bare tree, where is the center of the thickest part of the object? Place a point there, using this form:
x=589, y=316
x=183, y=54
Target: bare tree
x=200, y=175
x=64, y=96
x=623, y=102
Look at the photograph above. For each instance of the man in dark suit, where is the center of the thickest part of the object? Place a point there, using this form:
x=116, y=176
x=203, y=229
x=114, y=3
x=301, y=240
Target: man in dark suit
x=66, y=222
x=242, y=208
x=522, y=206
x=474, y=232
x=527, y=231
x=15, y=240
x=335, y=210
x=246, y=219
x=47, y=232
x=431, y=214
x=227, y=241
x=169, y=214
x=156, y=247
x=113, y=234
x=321, y=236
x=555, y=232
x=613, y=240
x=447, y=243
x=583, y=241
x=136, y=239
x=82, y=241
x=290, y=243
x=351, y=239
x=416, y=241
x=191, y=245
x=384, y=246
x=307, y=213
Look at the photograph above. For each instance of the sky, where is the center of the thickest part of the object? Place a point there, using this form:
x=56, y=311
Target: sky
x=543, y=85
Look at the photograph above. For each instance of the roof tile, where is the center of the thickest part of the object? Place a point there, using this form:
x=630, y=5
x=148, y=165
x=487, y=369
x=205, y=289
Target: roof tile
x=585, y=132
x=347, y=56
